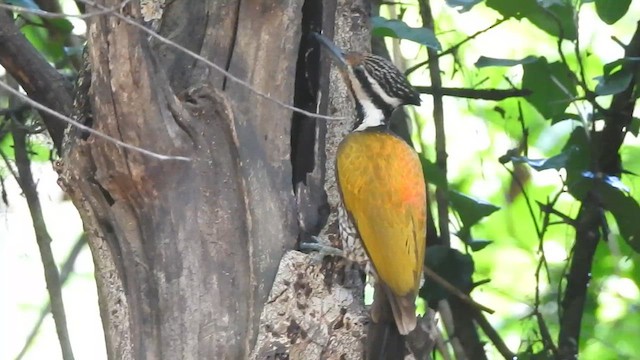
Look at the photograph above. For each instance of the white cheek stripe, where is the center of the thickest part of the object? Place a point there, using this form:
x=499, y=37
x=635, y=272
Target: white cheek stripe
x=372, y=115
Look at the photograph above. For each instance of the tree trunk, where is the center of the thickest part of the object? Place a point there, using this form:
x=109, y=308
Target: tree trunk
x=186, y=252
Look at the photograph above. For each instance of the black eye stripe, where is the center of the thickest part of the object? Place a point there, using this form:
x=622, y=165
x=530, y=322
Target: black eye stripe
x=372, y=94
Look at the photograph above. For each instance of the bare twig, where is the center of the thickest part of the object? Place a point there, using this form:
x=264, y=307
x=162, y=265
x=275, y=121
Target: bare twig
x=482, y=94
x=67, y=119
x=549, y=209
x=40, y=80
x=493, y=335
x=455, y=291
x=455, y=47
x=65, y=272
x=55, y=15
x=43, y=238
x=447, y=320
x=438, y=118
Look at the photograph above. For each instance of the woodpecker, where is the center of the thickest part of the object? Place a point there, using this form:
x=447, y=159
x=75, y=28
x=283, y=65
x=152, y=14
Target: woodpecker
x=382, y=215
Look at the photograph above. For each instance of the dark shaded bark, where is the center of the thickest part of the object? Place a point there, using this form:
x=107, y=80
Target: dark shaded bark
x=42, y=83
x=605, y=147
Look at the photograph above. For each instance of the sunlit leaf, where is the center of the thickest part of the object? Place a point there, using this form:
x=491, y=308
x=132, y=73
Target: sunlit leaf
x=62, y=25
x=611, y=11
x=484, y=61
x=6, y=146
x=463, y=5
x=39, y=152
x=551, y=85
x=39, y=37
x=400, y=30
x=470, y=210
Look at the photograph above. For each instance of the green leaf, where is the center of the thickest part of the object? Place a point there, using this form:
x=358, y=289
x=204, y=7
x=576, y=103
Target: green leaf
x=6, y=146
x=613, y=83
x=634, y=127
x=617, y=64
x=611, y=11
x=614, y=199
x=477, y=245
x=432, y=173
x=455, y=267
x=400, y=30
x=484, y=61
x=62, y=25
x=470, y=210
x=29, y=4
x=556, y=20
x=566, y=116
x=555, y=162
x=39, y=152
x=553, y=17
x=510, y=8
x=551, y=86
x=463, y=5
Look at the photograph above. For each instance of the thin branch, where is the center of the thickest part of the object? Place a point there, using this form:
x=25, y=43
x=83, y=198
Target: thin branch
x=43, y=238
x=54, y=15
x=42, y=82
x=99, y=134
x=438, y=118
x=65, y=272
x=454, y=47
x=549, y=209
x=527, y=200
x=590, y=218
x=447, y=319
x=481, y=94
x=455, y=291
x=9, y=165
x=545, y=334
x=493, y=335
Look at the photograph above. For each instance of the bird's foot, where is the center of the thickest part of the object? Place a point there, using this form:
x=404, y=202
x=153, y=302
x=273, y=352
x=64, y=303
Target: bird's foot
x=322, y=248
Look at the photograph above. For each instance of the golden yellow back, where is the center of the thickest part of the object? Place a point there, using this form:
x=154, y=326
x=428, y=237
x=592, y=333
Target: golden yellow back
x=383, y=190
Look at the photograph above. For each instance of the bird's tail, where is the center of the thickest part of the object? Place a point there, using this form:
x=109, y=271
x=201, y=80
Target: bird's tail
x=393, y=317
x=403, y=308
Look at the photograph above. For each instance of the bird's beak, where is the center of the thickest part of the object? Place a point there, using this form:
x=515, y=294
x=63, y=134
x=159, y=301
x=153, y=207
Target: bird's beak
x=335, y=51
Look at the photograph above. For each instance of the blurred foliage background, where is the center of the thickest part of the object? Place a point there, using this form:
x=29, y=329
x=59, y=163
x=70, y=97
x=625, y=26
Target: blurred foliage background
x=519, y=170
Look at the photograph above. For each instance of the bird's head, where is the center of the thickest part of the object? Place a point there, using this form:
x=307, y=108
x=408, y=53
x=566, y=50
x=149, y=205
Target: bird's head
x=377, y=86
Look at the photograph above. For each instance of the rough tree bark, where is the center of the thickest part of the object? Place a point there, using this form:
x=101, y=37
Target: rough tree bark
x=186, y=252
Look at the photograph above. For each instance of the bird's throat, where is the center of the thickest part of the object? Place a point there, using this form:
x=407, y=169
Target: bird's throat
x=368, y=116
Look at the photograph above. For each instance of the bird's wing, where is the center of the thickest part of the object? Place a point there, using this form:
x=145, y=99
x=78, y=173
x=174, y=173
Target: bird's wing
x=383, y=190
